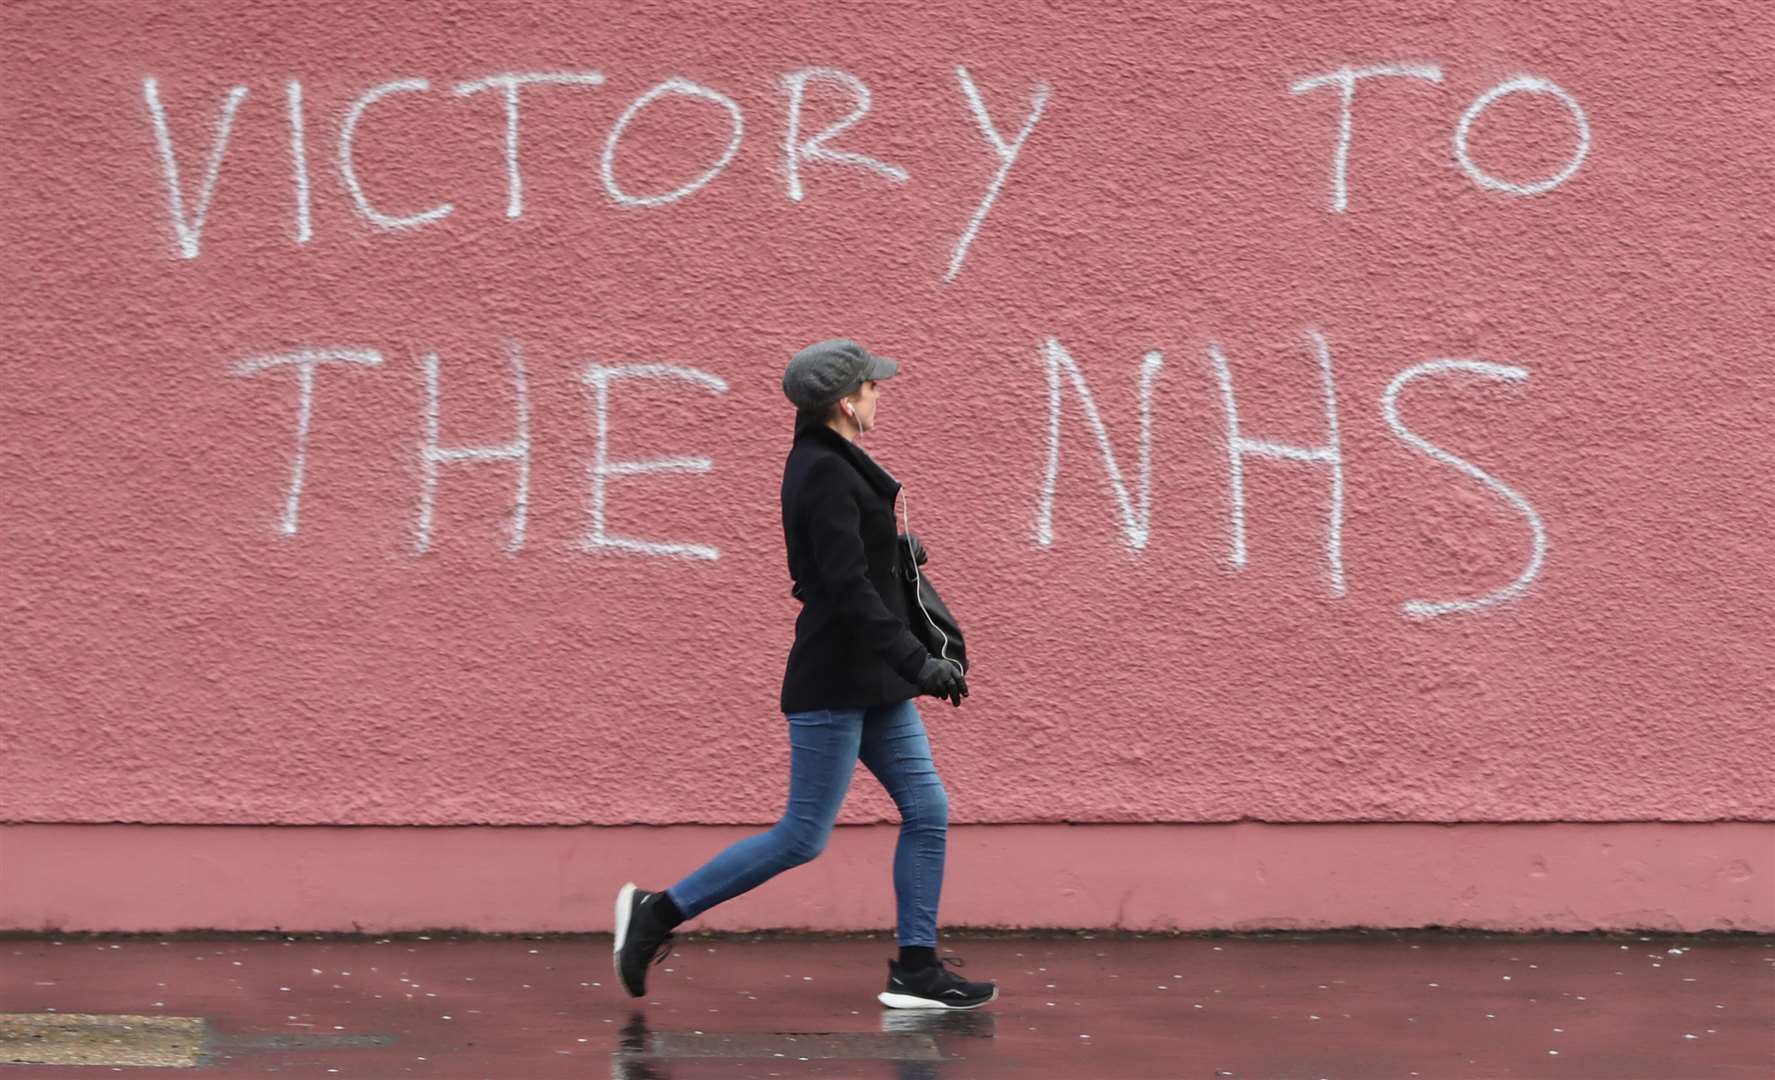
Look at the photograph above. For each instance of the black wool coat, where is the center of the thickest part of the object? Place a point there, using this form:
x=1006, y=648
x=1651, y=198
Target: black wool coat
x=853, y=648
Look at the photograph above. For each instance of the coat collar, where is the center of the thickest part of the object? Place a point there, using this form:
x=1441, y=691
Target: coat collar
x=872, y=472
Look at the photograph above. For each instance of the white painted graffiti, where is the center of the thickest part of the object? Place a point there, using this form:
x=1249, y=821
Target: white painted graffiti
x=797, y=150
x=510, y=83
x=683, y=88
x=433, y=455
x=1136, y=514
x=306, y=362
x=188, y=214
x=1538, y=553
x=1066, y=380
x=1345, y=79
x=188, y=229
x=1136, y=518
x=1331, y=454
x=600, y=378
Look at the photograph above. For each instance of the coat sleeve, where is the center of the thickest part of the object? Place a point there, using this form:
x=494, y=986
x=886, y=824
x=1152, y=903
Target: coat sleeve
x=835, y=528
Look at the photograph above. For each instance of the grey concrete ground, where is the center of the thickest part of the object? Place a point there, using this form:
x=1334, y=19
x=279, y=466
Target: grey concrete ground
x=1258, y=1007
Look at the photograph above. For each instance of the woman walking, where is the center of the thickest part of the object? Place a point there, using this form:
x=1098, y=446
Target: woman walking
x=848, y=691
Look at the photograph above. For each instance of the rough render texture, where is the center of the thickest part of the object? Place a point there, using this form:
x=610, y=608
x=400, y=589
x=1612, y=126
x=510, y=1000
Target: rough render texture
x=172, y=655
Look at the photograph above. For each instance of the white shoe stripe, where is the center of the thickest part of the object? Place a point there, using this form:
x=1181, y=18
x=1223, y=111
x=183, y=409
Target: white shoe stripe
x=624, y=901
x=911, y=1001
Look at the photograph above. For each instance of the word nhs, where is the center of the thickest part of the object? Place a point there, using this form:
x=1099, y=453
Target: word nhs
x=1242, y=447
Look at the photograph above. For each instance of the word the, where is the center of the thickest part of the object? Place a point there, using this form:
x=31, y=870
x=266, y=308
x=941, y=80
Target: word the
x=434, y=455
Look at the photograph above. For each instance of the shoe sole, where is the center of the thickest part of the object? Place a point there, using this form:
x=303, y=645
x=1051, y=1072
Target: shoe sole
x=912, y=1001
x=625, y=903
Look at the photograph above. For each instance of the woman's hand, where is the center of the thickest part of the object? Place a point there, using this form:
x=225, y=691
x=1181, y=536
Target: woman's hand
x=941, y=679
x=919, y=557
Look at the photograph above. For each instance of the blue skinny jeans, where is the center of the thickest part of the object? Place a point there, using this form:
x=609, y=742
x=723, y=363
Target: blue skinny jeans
x=825, y=747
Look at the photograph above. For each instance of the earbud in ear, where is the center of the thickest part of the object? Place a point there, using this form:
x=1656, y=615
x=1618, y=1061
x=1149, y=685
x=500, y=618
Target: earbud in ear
x=850, y=412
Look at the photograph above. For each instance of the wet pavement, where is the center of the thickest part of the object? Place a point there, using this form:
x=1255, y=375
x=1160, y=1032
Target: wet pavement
x=1372, y=1006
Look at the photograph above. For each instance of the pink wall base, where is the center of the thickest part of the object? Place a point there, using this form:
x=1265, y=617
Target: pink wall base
x=152, y=878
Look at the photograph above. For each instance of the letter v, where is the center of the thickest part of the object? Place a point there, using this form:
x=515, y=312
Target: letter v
x=189, y=232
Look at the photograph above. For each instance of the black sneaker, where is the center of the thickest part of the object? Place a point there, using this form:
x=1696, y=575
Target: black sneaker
x=641, y=938
x=934, y=987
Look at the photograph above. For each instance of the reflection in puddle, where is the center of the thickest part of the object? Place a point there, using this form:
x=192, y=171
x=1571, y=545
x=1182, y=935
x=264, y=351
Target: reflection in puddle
x=910, y=1042
x=970, y=1024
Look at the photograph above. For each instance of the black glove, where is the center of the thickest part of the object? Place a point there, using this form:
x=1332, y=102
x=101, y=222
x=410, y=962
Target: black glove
x=919, y=557
x=941, y=679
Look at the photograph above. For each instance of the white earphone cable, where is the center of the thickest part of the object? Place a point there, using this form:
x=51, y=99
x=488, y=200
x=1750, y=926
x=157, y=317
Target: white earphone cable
x=912, y=560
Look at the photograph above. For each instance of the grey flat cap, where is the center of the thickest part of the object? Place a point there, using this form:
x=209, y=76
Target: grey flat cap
x=825, y=371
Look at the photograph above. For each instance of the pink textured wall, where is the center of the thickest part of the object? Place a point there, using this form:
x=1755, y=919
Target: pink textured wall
x=196, y=634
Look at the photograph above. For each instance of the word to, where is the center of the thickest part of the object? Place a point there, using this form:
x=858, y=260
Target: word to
x=1345, y=79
